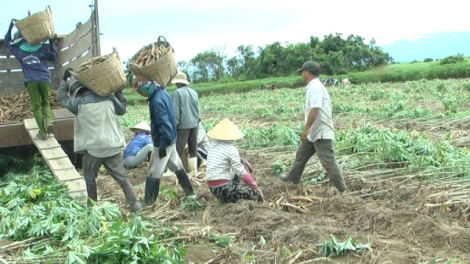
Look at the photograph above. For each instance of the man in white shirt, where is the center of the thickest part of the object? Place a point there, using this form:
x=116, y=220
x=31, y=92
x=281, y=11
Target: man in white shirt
x=318, y=134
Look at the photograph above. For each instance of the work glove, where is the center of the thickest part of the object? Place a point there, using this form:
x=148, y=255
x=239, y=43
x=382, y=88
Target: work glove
x=67, y=74
x=52, y=42
x=162, y=153
x=119, y=96
x=12, y=24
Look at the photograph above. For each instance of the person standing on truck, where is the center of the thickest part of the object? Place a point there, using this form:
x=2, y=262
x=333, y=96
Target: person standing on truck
x=98, y=135
x=37, y=77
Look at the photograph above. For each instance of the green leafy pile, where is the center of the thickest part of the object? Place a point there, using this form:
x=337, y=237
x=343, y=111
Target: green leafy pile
x=334, y=248
x=34, y=206
x=191, y=203
x=278, y=167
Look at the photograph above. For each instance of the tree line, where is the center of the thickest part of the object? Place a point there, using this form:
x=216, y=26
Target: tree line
x=335, y=54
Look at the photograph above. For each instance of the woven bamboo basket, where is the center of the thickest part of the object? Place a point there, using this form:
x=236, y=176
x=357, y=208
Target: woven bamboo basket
x=103, y=75
x=163, y=70
x=37, y=27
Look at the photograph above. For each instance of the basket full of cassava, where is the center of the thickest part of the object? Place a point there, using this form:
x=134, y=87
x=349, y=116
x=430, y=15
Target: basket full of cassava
x=103, y=75
x=155, y=61
x=37, y=27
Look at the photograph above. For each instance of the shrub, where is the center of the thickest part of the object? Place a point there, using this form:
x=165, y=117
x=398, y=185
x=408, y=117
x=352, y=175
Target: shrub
x=453, y=59
x=428, y=60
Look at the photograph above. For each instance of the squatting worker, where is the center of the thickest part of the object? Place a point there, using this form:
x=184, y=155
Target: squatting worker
x=318, y=134
x=186, y=106
x=163, y=130
x=225, y=168
x=139, y=146
x=98, y=135
x=37, y=77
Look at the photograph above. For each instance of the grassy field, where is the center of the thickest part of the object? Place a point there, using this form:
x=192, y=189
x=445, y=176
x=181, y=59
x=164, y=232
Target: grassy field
x=402, y=147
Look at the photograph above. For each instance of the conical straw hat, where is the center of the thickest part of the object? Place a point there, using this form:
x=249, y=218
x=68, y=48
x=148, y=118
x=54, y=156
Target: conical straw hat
x=142, y=126
x=225, y=130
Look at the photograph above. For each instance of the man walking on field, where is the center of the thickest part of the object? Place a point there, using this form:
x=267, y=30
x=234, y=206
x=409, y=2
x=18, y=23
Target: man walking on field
x=318, y=134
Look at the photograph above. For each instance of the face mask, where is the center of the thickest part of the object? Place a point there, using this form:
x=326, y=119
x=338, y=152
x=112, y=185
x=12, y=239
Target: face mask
x=25, y=46
x=147, y=89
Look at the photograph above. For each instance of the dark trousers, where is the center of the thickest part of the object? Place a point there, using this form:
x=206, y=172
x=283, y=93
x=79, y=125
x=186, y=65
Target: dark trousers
x=234, y=191
x=326, y=154
x=188, y=136
x=114, y=165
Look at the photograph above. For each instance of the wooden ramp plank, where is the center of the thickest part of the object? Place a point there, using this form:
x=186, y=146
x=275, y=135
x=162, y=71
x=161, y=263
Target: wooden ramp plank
x=60, y=164
x=76, y=185
x=79, y=196
x=40, y=144
x=30, y=124
x=54, y=153
x=68, y=175
x=58, y=161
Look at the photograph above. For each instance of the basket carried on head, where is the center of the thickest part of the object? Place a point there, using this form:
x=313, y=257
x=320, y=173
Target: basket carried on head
x=103, y=75
x=37, y=27
x=155, y=61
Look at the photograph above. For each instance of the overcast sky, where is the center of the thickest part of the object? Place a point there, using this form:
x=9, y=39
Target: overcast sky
x=193, y=26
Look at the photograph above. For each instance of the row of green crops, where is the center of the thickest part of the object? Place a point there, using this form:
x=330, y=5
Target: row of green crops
x=392, y=73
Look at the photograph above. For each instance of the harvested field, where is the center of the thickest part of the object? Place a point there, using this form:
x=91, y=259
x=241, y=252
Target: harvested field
x=403, y=152
x=407, y=213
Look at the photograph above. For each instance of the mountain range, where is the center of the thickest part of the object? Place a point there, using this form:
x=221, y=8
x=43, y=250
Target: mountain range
x=435, y=46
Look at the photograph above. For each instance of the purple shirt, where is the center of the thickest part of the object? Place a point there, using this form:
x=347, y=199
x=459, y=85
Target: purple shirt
x=34, y=64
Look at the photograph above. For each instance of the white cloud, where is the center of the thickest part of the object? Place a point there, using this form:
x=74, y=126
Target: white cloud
x=195, y=26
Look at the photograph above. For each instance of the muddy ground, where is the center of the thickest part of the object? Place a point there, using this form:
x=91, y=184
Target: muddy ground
x=390, y=216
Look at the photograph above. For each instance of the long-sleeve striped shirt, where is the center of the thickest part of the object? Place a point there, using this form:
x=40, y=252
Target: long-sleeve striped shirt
x=223, y=161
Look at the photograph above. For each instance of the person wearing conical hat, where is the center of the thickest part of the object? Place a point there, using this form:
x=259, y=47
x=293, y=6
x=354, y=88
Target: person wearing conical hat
x=139, y=147
x=163, y=130
x=225, y=168
x=186, y=105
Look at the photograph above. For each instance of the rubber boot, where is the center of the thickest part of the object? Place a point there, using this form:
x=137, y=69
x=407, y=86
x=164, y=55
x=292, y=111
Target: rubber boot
x=192, y=165
x=152, y=187
x=130, y=195
x=185, y=183
x=92, y=192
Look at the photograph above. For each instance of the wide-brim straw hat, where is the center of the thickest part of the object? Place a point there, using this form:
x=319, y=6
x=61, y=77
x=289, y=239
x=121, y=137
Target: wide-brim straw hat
x=141, y=126
x=180, y=78
x=225, y=130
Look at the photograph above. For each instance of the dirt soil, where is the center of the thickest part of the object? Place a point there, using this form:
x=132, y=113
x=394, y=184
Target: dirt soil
x=391, y=218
